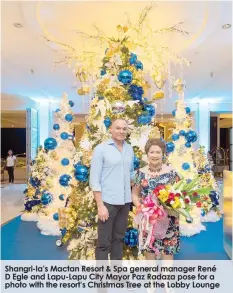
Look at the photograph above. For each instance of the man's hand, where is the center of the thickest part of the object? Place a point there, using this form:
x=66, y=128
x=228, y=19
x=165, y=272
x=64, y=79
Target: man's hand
x=103, y=214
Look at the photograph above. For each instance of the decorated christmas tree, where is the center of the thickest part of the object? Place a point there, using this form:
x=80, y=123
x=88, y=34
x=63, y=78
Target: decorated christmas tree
x=192, y=165
x=210, y=209
x=52, y=174
x=121, y=91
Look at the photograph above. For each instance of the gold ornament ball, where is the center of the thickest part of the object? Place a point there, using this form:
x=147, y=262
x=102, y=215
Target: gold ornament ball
x=53, y=154
x=187, y=124
x=179, y=85
x=158, y=96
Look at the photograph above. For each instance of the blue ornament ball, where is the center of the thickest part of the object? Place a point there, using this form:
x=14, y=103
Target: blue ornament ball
x=174, y=112
x=188, y=110
x=81, y=173
x=37, y=192
x=132, y=59
x=134, y=56
x=207, y=168
x=56, y=217
x=61, y=196
x=50, y=143
x=188, y=144
x=125, y=76
x=64, y=135
x=56, y=126
x=30, y=204
x=175, y=136
x=65, y=162
x=58, y=110
x=203, y=213
x=131, y=237
x=64, y=180
x=136, y=92
x=144, y=119
x=182, y=132
x=107, y=122
x=46, y=198
x=80, y=229
x=170, y=146
x=136, y=96
x=150, y=109
x=191, y=136
x=77, y=165
x=139, y=65
x=63, y=232
x=185, y=166
x=34, y=181
x=136, y=163
x=214, y=197
x=71, y=103
x=69, y=117
x=103, y=72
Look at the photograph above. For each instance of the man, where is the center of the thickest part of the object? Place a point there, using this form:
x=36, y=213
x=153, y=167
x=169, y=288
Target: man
x=110, y=180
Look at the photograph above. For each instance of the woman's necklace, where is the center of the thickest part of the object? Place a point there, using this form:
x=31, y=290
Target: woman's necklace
x=155, y=170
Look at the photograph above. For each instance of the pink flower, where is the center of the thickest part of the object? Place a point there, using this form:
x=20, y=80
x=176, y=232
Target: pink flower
x=198, y=204
x=171, y=196
x=144, y=183
x=158, y=188
x=187, y=200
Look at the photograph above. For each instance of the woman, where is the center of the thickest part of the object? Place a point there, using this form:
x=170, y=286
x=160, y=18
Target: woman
x=10, y=163
x=146, y=180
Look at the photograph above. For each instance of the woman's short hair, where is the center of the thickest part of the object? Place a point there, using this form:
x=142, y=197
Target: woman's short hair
x=155, y=141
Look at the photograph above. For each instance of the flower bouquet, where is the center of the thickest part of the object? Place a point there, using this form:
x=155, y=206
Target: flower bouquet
x=152, y=220
x=152, y=215
x=179, y=197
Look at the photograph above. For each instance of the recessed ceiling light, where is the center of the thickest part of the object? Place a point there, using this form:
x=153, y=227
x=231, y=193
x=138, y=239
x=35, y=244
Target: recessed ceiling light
x=226, y=26
x=18, y=25
x=12, y=125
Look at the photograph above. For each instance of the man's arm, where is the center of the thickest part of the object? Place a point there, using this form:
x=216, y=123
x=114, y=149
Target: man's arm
x=95, y=178
x=132, y=173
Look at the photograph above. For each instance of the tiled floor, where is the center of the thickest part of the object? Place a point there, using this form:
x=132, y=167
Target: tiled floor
x=11, y=201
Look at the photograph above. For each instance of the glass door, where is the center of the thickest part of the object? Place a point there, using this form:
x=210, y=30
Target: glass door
x=32, y=136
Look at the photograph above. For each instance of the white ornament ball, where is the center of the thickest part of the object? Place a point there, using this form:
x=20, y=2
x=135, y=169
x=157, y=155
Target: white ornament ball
x=59, y=243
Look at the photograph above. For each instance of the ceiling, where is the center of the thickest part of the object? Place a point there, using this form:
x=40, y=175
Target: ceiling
x=13, y=119
x=28, y=60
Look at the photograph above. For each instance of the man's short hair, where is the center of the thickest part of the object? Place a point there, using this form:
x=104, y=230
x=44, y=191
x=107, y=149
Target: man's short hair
x=115, y=119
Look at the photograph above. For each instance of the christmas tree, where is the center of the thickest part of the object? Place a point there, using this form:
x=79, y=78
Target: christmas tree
x=192, y=165
x=52, y=180
x=210, y=208
x=120, y=90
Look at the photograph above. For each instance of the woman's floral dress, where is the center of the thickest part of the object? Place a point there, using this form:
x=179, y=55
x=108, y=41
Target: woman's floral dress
x=171, y=243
